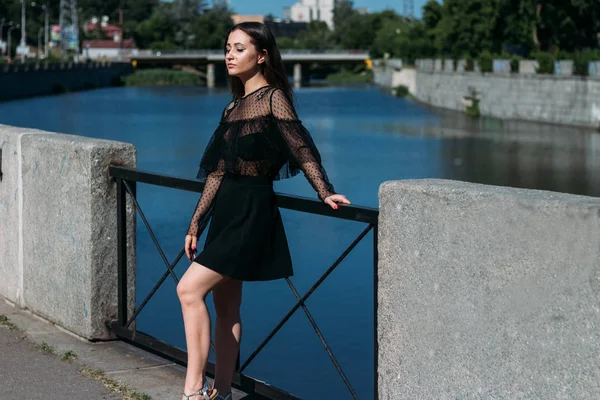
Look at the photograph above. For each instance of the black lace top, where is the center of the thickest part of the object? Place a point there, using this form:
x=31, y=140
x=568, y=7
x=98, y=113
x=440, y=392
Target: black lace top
x=259, y=135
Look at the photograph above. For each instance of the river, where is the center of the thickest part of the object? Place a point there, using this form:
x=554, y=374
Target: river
x=365, y=137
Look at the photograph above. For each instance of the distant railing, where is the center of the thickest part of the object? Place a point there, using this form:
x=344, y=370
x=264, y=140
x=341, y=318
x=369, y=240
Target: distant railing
x=219, y=52
x=126, y=180
x=57, y=66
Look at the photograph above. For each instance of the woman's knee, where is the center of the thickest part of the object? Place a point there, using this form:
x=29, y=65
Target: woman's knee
x=196, y=283
x=186, y=292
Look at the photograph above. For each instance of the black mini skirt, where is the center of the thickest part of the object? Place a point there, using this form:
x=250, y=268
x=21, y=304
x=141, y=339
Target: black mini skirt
x=246, y=239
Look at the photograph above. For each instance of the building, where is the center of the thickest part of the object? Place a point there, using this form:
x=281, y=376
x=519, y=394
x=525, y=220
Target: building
x=106, y=49
x=112, y=32
x=285, y=28
x=237, y=18
x=279, y=28
x=311, y=10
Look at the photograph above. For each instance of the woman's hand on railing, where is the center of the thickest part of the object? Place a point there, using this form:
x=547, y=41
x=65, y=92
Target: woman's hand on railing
x=336, y=198
x=190, y=246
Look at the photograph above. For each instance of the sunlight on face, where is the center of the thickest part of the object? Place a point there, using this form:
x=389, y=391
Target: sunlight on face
x=241, y=56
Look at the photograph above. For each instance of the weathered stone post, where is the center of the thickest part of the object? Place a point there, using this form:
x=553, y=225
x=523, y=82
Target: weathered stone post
x=297, y=75
x=487, y=292
x=58, y=229
x=210, y=75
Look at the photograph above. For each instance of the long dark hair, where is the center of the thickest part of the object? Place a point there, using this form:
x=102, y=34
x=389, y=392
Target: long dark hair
x=272, y=68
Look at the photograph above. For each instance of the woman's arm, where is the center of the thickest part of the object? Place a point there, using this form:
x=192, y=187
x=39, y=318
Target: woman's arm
x=211, y=187
x=298, y=146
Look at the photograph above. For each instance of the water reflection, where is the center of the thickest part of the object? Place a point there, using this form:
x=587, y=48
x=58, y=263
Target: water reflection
x=513, y=153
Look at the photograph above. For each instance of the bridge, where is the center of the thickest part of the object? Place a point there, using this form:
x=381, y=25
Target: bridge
x=209, y=58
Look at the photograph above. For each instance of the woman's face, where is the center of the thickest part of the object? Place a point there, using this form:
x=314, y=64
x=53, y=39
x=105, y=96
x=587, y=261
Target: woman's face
x=241, y=56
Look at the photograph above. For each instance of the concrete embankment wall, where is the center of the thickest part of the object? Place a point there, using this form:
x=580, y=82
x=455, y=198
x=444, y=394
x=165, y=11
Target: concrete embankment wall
x=390, y=74
x=487, y=292
x=543, y=98
x=565, y=100
x=58, y=218
x=18, y=81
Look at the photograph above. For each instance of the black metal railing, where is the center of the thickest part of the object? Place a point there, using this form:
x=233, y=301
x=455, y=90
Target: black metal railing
x=126, y=180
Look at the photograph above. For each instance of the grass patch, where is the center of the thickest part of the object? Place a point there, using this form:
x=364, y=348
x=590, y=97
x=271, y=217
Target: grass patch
x=68, y=356
x=162, y=77
x=5, y=322
x=346, y=76
x=45, y=347
x=473, y=110
x=111, y=384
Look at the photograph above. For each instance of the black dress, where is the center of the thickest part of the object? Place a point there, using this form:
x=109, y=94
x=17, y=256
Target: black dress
x=259, y=139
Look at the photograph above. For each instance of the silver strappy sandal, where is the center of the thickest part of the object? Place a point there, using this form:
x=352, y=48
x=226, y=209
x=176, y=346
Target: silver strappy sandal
x=205, y=392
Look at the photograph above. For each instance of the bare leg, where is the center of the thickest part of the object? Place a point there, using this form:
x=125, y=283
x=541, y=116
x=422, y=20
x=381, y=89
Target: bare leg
x=228, y=332
x=192, y=290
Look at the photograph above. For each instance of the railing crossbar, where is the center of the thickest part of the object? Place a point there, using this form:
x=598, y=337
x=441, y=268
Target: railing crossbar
x=335, y=362
x=153, y=291
x=306, y=296
x=151, y=232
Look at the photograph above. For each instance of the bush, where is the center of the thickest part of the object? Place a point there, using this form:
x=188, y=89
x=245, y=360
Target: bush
x=146, y=77
x=469, y=63
x=582, y=58
x=401, y=91
x=545, y=62
x=514, y=64
x=486, y=61
x=473, y=110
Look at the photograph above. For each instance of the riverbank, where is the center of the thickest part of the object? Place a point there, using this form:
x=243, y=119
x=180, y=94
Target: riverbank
x=30, y=80
x=540, y=98
x=163, y=77
x=545, y=98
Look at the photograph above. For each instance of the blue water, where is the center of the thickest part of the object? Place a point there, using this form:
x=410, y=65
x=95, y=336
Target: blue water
x=366, y=137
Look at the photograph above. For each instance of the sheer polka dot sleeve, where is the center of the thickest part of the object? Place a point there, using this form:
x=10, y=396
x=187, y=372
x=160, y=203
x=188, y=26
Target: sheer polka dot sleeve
x=297, y=144
x=202, y=212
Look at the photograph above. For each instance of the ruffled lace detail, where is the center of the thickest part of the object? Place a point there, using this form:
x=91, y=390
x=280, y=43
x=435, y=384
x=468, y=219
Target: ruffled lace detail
x=259, y=135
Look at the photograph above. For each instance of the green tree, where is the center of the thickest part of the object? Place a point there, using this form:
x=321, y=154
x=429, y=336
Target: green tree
x=432, y=14
x=211, y=27
x=186, y=14
x=158, y=31
x=468, y=27
x=137, y=11
x=286, y=43
x=318, y=37
x=343, y=12
x=570, y=25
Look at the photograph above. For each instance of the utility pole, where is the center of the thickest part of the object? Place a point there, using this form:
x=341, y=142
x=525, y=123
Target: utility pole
x=10, y=29
x=46, y=27
x=68, y=18
x=1, y=27
x=23, y=31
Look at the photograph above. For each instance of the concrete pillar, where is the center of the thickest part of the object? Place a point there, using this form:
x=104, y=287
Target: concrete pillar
x=297, y=75
x=210, y=75
x=58, y=228
x=478, y=284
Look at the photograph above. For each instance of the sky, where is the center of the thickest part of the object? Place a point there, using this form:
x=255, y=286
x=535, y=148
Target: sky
x=275, y=7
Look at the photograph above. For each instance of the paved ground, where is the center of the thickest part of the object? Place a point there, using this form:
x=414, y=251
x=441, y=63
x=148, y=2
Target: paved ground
x=28, y=373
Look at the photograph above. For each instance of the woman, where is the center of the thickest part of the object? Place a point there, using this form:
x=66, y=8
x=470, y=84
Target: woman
x=258, y=140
